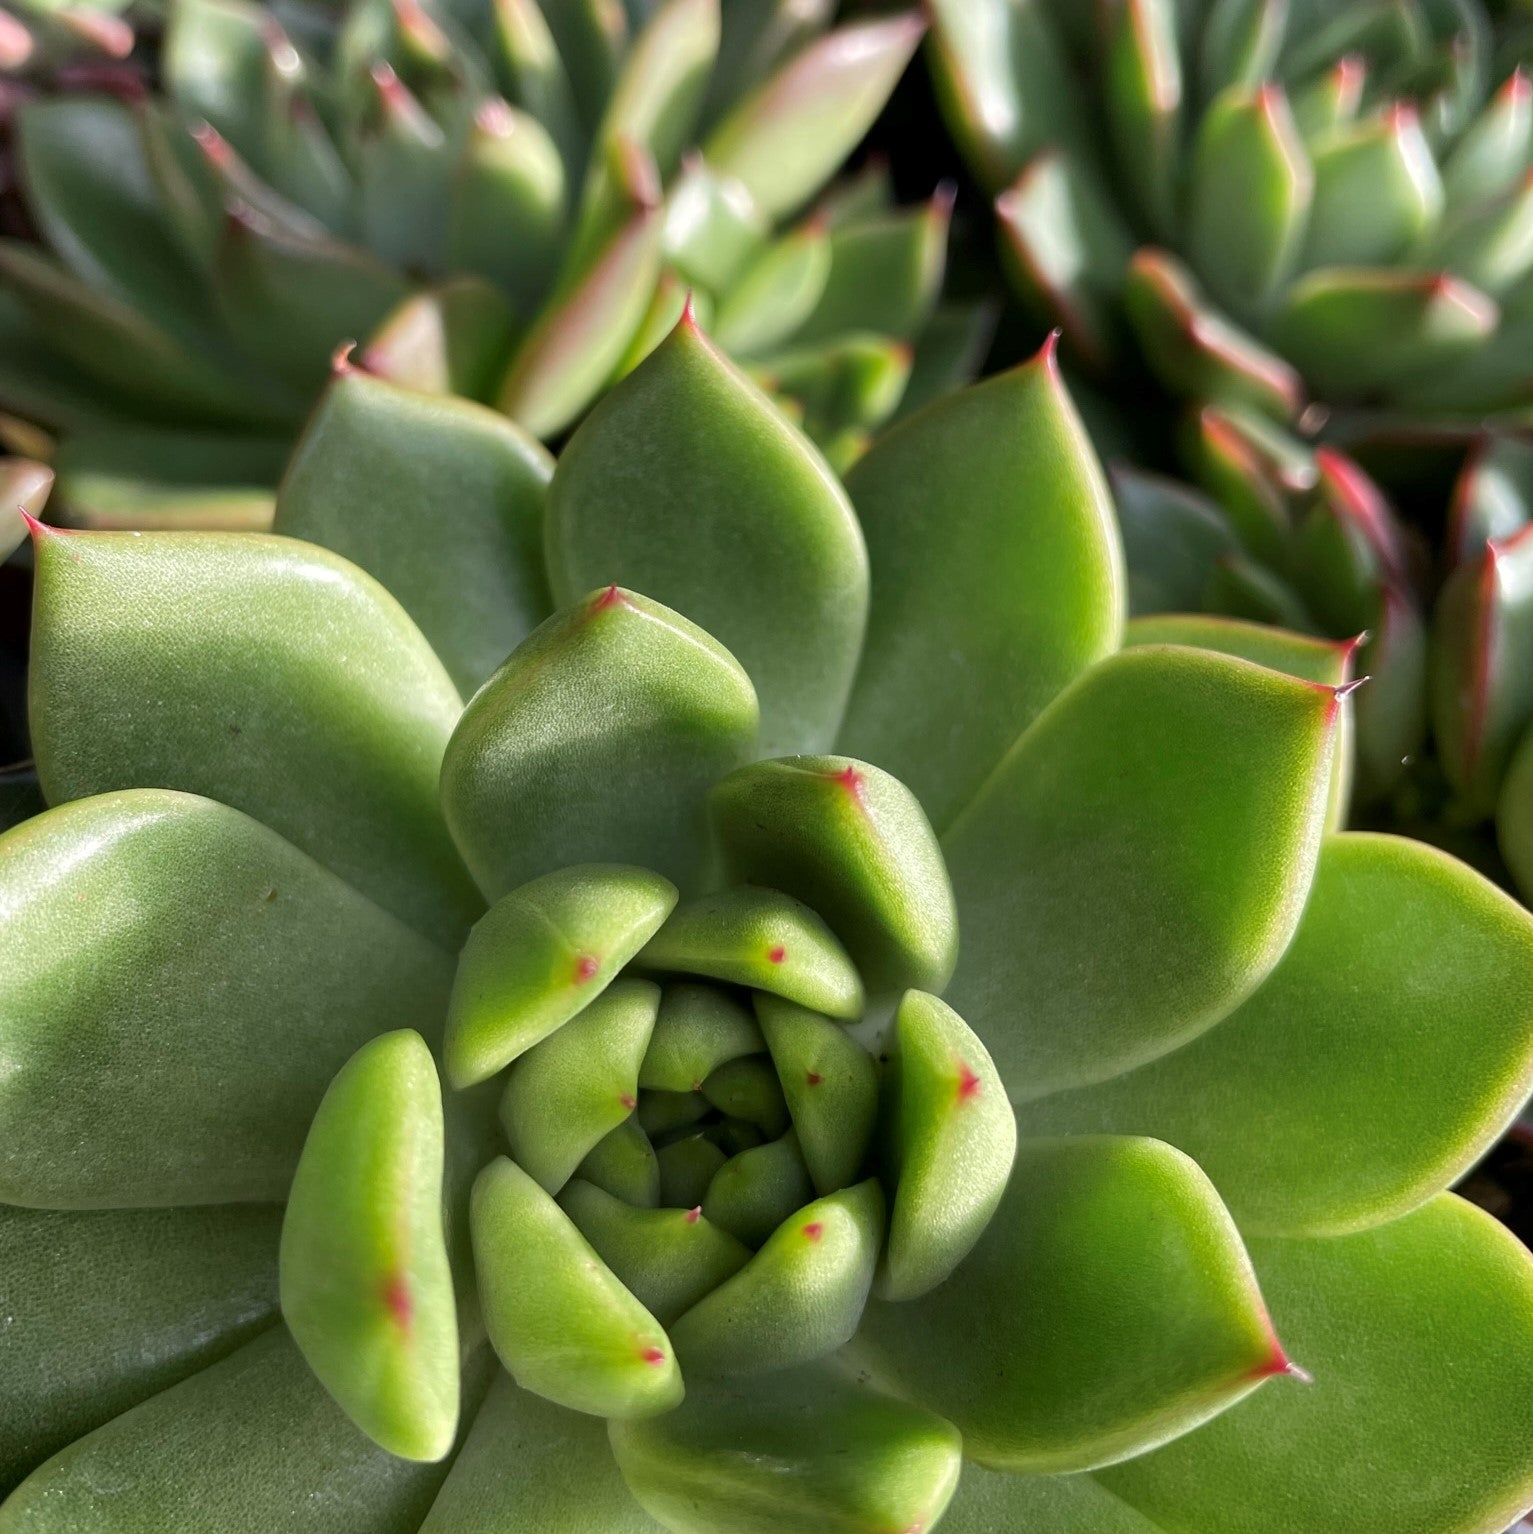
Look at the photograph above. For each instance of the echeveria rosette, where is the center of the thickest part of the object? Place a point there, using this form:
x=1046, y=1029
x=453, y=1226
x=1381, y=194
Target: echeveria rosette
x=791, y=1135
x=505, y=201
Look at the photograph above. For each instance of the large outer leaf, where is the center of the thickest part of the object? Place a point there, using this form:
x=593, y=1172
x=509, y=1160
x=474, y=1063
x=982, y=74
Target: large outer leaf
x=688, y=485
x=265, y=673
x=997, y=578
x=180, y=986
x=107, y=1307
x=530, y=1467
x=1420, y=1337
x=438, y=499
x=1108, y=1308
x=1403, y=956
x=597, y=741
x=989, y=1501
x=1138, y=863
x=245, y=1447
x=805, y=1450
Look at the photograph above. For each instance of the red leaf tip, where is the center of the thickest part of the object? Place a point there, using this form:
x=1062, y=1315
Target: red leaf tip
x=688, y=320
x=585, y=968
x=653, y=1355
x=969, y=1084
x=777, y=955
x=340, y=360
x=396, y=1295
x=694, y=1215
x=814, y=1078
x=35, y=525
x=628, y=1100
x=814, y=1230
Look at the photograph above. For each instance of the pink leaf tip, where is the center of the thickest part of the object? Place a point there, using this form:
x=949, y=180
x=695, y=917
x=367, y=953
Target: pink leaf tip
x=585, y=968
x=777, y=955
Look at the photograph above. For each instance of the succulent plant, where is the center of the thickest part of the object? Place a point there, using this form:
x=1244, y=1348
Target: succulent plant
x=42, y=37
x=824, y=1010
x=1282, y=198
x=496, y=198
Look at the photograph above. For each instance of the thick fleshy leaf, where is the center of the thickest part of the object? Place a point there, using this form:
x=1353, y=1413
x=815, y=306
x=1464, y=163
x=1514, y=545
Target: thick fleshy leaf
x=559, y=1319
x=1141, y=1320
x=568, y=1092
x=624, y=1164
x=786, y=138
x=597, y=740
x=1390, y=712
x=687, y=485
x=979, y=618
x=530, y=68
x=540, y=955
x=949, y=1139
x=1481, y=687
x=799, y=1298
x=807, y=1450
x=239, y=1448
x=1173, y=539
x=1142, y=97
x=1138, y=863
x=668, y=1258
x=182, y=986
x=831, y=1086
x=24, y=486
x=851, y=843
x=1402, y=954
x=530, y=1467
x=1496, y=150
x=1493, y=496
x=698, y=1029
x=453, y=338
x=763, y=939
x=1231, y=452
x=775, y=293
x=756, y=1190
x=687, y=1167
x=268, y=674
x=438, y=499
x=148, y=1297
x=366, y=1289
x=1420, y=1338
x=748, y=1089
x=987, y=1500
x=404, y=177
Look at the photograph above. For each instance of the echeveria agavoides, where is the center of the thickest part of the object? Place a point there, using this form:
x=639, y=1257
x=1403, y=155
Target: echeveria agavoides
x=1047, y=1126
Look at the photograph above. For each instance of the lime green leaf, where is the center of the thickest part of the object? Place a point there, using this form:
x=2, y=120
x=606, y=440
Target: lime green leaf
x=687, y=485
x=1402, y=954
x=748, y=1089
x=542, y=954
x=949, y=1140
x=787, y=138
x=1420, y=1338
x=183, y=986
x=1141, y=1320
x=239, y=1448
x=598, y=739
x=663, y=1114
x=831, y=1086
x=804, y=1450
x=1496, y=150
x=752, y=1193
x=568, y=1092
x=799, y=1298
x=530, y=1465
x=713, y=228
x=366, y=1289
x=1142, y=95
x=687, y=1167
x=698, y=1029
x=268, y=674
x=624, y=1164
x=668, y=1258
x=762, y=939
x=1138, y=863
x=988, y=1500
x=851, y=843
x=770, y=300
x=559, y=1319
x=438, y=499
x=979, y=618
x=151, y=1296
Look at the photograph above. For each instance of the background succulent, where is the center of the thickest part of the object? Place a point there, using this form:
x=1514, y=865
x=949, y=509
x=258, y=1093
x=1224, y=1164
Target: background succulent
x=497, y=199
x=232, y=981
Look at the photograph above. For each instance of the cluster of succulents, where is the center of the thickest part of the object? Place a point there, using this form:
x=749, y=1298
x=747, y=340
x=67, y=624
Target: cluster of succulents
x=502, y=202
x=836, y=1033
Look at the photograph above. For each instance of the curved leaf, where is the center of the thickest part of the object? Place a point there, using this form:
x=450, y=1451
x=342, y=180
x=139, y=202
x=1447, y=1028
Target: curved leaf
x=687, y=485
x=182, y=986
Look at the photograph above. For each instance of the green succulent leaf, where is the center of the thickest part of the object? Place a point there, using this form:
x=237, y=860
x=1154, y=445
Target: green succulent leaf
x=698, y=1029
x=1173, y=540
x=1436, y=1307
x=268, y=674
x=748, y=1089
x=687, y=1169
x=1496, y=150
x=987, y=1500
x=1108, y=846
x=1142, y=93
x=799, y=1298
x=804, y=1450
x=24, y=488
x=763, y=939
x=182, y=986
x=980, y=618
x=1141, y=1316
x=753, y=1192
x=152, y=1297
x=624, y=1164
x=366, y=1289
x=775, y=294
x=598, y=739
x=686, y=484
x=438, y=499
x=541, y=955
x=950, y=1138
x=853, y=844
x=558, y=1317
x=239, y=1447
x=1402, y=952
x=568, y=1092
